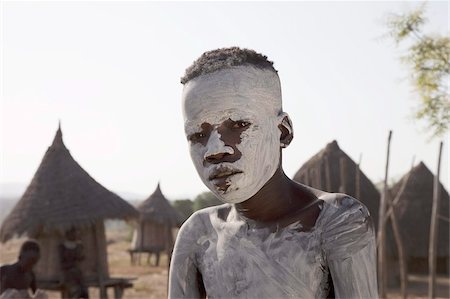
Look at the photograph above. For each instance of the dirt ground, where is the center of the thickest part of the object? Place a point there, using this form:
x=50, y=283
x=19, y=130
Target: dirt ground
x=148, y=281
x=151, y=282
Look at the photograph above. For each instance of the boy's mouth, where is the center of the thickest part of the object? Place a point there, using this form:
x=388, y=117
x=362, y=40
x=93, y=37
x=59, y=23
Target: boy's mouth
x=223, y=173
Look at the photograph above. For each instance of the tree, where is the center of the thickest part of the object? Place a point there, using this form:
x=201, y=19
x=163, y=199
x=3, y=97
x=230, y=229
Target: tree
x=185, y=207
x=428, y=56
x=206, y=199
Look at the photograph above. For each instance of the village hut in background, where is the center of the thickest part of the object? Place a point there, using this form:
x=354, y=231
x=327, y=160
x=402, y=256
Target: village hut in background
x=61, y=196
x=154, y=232
x=332, y=170
x=413, y=211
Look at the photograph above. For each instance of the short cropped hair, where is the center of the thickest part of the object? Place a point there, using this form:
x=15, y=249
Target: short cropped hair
x=30, y=246
x=224, y=58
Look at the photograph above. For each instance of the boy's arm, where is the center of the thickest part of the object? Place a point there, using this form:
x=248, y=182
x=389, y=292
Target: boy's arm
x=185, y=279
x=350, y=249
x=355, y=276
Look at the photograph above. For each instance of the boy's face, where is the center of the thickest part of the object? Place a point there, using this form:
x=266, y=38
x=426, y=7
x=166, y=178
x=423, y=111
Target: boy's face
x=231, y=122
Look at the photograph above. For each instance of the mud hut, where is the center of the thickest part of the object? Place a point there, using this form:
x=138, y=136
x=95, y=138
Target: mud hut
x=332, y=170
x=60, y=196
x=414, y=216
x=154, y=231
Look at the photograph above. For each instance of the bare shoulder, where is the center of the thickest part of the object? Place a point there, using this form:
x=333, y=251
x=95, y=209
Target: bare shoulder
x=346, y=225
x=201, y=223
x=340, y=199
x=333, y=200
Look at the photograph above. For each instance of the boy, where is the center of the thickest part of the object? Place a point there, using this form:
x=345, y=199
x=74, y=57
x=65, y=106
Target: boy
x=273, y=237
x=17, y=278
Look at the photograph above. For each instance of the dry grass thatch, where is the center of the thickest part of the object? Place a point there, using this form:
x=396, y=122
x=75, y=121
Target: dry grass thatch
x=324, y=171
x=414, y=213
x=156, y=208
x=61, y=195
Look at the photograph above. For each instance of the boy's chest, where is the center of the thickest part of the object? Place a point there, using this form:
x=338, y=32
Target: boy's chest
x=240, y=260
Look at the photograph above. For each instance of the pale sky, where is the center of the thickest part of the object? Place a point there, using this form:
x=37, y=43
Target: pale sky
x=110, y=72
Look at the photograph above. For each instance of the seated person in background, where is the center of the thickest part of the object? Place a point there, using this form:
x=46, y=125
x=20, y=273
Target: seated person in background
x=17, y=278
x=71, y=255
x=273, y=237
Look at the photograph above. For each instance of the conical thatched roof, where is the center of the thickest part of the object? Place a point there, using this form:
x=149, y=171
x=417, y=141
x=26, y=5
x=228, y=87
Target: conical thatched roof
x=61, y=195
x=157, y=208
x=323, y=171
x=414, y=213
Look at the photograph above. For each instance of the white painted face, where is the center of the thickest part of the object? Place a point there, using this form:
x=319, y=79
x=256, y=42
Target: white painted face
x=231, y=121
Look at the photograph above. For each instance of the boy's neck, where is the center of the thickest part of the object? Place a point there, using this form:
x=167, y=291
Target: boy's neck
x=278, y=198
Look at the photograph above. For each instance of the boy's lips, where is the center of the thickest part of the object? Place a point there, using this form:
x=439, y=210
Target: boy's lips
x=223, y=172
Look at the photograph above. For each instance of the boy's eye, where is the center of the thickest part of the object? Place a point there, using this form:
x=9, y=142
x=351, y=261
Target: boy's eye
x=240, y=124
x=196, y=136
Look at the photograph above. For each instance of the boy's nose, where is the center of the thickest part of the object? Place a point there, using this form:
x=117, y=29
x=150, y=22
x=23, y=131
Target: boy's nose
x=217, y=150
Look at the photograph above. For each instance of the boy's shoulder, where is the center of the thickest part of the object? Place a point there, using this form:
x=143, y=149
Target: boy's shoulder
x=342, y=202
x=338, y=203
x=201, y=219
x=345, y=224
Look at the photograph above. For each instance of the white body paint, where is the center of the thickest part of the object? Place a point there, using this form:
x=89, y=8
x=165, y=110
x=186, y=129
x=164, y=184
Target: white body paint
x=231, y=256
x=235, y=257
x=240, y=93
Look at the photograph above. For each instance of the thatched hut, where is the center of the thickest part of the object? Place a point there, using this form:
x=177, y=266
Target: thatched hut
x=62, y=196
x=157, y=219
x=413, y=211
x=332, y=170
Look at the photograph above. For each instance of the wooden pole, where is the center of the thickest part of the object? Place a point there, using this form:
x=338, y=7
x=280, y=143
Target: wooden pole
x=391, y=214
x=395, y=201
x=141, y=245
x=382, y=277
x=400, y=248
x=399, y=195
x=99, y=255
x=434, y=226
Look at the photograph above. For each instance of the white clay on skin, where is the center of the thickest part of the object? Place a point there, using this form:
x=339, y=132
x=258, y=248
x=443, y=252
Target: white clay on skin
x=229, y=256
x=213, y=99
x=239, y=259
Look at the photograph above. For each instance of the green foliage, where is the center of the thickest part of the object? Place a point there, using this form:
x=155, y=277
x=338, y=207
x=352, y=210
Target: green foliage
x=429, y=60
x=185, y=207
x=206, y=199
x=402, y=26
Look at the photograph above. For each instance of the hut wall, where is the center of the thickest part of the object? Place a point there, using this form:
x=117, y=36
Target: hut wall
x=48, y=266
x=94, y=263
x=151, y=235
x=99, y=261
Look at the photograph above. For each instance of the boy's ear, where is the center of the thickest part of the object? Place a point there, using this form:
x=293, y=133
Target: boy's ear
x=287, y=131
